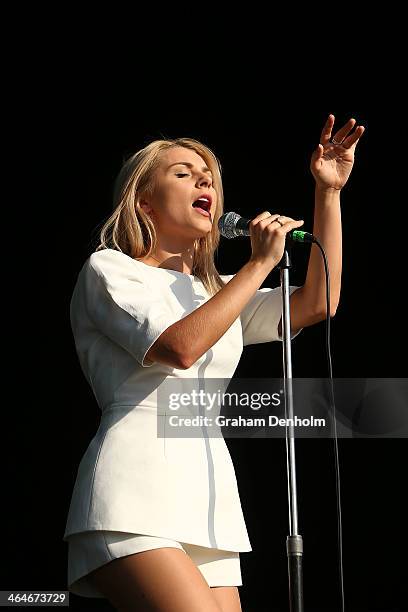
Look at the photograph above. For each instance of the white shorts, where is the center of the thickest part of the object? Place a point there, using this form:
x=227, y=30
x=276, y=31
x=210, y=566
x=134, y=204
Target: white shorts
x=91, y=549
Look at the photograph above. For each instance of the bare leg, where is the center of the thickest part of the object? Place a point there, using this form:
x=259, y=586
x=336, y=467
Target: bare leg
x=227, y=598
x=158, y=580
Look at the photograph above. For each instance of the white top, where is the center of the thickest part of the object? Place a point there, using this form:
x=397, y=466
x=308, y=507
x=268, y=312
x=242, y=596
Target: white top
x=129, y=479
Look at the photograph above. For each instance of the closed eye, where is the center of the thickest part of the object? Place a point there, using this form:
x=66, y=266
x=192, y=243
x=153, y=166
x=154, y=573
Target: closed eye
x=184, y=174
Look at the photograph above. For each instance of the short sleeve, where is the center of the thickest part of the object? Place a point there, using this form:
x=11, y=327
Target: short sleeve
x=121, y=304
x=261, y=316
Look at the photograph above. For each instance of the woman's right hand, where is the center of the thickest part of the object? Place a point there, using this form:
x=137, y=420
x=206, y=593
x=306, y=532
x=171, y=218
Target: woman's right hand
x=268, y=237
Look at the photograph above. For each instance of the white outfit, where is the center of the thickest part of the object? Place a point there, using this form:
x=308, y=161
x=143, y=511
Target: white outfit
x=129, y=479
x=92, y=549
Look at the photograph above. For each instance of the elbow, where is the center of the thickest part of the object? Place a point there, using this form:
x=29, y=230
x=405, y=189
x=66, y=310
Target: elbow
x=182, y=352
x=334, y=304
x=333, y=311
x=163, y=352
x=321, y=313
x=184, y=362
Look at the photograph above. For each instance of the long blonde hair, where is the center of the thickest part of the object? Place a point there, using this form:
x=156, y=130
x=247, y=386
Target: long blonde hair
x=130, y=230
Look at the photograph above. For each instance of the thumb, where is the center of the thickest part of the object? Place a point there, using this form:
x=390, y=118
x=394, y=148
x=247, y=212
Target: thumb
x=317, y=155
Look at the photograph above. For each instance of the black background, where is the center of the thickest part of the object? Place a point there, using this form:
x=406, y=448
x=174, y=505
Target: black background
x=75, y=136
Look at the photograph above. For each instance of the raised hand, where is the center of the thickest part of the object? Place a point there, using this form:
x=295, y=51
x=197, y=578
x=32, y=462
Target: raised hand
x=333, y=159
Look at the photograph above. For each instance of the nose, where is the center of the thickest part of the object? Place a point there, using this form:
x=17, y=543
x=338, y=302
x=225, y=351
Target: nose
x=205, y=180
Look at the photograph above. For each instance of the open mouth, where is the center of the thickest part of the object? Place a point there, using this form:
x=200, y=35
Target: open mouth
x=203, y=205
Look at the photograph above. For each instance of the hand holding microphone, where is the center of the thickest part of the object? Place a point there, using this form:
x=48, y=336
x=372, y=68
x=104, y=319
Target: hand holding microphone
x=268, y=235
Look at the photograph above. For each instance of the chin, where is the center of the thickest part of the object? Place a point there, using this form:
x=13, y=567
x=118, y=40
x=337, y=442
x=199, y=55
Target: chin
x=204, y=233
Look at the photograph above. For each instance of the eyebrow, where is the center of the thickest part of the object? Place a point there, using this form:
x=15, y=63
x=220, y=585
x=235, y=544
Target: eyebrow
x=204, y=169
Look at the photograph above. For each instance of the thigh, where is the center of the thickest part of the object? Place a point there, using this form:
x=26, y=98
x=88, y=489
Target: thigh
x=220, y=568
x=227, y=598
x=158, y=580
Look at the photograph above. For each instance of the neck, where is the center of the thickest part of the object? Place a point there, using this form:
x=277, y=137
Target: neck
x=181, y=261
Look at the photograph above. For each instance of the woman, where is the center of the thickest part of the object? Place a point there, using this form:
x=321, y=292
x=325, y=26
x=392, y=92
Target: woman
x=155, y=522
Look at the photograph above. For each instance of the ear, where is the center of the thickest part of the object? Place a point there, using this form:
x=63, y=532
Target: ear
x=146, y=207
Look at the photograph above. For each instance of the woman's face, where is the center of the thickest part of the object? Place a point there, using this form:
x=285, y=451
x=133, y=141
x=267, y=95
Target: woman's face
x=181, y=178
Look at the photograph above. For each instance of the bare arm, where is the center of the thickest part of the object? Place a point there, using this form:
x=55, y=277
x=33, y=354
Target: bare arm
x=331, y=165
x=308, y=303
x=181, y=344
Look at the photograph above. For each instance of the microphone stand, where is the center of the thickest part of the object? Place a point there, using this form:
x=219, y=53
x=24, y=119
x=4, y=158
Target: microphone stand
x=294, y=541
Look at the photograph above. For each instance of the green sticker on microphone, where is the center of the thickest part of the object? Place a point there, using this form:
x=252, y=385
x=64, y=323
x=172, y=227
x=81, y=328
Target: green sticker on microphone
x=298, y=235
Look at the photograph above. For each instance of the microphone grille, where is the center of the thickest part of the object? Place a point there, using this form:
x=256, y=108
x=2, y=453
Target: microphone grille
x=227, y=224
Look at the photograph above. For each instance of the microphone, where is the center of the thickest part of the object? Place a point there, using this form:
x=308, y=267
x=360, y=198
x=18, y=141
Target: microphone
x=231, y=225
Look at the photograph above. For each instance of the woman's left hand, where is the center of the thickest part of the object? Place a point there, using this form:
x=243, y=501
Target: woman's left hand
x=331, y=163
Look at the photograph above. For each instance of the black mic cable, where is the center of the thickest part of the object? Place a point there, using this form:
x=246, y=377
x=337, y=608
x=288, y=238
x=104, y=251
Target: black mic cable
x=232, y=225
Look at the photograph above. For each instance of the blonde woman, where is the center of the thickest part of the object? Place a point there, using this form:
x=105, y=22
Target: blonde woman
x=156, y=523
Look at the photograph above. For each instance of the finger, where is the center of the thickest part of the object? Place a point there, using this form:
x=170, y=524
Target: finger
x=342, y=133
x=326, y=132
x=354, y=137
x=265, y=222
x=286, y=227
x=284, y=218
x=318, y=153
x=264, y=215
x=281, y=219
x=292, y=225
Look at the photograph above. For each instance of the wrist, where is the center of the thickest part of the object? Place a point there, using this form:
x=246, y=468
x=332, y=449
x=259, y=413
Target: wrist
x=324, y=190
x=260, y=266
x=327, y=197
